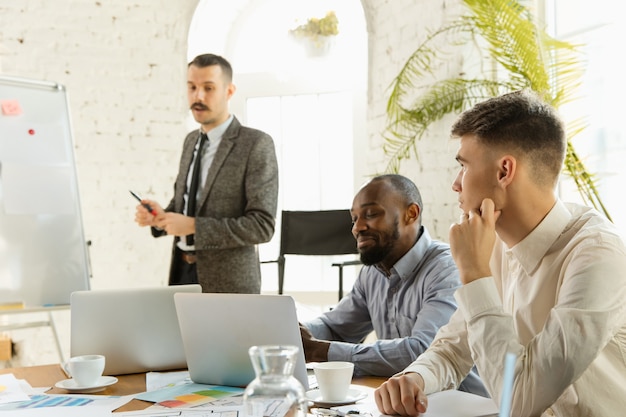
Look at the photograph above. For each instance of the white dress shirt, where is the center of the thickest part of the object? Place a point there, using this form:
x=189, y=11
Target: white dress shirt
x=206, y=159
x=557, y=300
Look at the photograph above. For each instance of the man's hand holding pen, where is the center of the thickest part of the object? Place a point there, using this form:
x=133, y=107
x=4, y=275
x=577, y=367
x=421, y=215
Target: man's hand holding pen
x=145, y=217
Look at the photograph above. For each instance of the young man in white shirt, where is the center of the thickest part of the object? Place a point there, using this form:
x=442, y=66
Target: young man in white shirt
x=543, y=279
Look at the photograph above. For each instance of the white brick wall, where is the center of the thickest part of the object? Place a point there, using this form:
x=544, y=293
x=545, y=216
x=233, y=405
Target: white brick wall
x=123, y=64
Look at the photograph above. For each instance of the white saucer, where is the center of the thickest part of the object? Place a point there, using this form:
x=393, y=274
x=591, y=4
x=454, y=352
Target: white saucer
x=100, y=385
x=354, y=395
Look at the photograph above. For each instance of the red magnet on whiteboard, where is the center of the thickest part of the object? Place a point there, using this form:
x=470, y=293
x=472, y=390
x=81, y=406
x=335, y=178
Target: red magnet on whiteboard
x=31, y=131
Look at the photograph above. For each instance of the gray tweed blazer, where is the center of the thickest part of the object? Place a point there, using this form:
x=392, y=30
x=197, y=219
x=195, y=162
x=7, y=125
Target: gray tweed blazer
x=236, y=209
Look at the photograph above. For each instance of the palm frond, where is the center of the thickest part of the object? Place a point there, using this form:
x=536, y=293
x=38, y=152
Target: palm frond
x=442, y=98
x=419, y=65
x=512, y=37
x=523, y=56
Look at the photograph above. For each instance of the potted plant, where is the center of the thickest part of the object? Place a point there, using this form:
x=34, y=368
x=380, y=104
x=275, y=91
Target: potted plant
x=317, y=33
x=522, y=56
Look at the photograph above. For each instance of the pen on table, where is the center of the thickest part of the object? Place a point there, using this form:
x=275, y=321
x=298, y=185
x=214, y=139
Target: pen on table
x=146, y=206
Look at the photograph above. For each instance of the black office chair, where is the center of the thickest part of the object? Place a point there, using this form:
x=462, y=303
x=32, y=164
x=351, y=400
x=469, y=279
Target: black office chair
x=325, y=232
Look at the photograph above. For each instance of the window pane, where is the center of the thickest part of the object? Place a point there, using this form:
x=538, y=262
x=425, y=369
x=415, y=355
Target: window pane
x=313, y=135
x=599, y=28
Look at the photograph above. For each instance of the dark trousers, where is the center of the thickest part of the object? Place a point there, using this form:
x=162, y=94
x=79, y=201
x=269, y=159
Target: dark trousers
x=183, y=272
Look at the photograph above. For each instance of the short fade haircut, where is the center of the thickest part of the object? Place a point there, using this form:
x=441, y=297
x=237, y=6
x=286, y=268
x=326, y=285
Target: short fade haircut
x=522, y=123
x=404, y=187
x=206, y=60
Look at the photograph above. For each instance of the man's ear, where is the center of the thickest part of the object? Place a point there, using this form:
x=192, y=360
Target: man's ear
x=231, y=90
x=412, y=213
x=507, y=166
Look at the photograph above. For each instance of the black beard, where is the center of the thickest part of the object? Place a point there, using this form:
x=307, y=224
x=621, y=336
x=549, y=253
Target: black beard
x=377, y=254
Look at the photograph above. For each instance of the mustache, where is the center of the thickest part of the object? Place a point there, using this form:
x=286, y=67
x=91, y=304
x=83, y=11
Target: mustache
x=366, y=234
x=198, y=106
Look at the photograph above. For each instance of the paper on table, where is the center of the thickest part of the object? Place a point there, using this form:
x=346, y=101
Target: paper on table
x=66, y=402
x=29, y=390
x=188, y=395
x=59, y=412
x=174, y=413
x=459, y=404
x=440, y=404
x=10, y=390
x=158, y=380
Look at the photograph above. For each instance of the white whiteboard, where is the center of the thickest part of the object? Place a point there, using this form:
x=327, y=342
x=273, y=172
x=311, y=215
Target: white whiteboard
x=43, y=253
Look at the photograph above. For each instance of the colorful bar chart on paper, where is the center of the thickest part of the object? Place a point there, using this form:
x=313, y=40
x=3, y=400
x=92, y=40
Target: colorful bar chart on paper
x=191, y=395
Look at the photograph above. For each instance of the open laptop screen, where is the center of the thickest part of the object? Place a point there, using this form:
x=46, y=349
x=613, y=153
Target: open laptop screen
x=135, y=329
x=218, y=330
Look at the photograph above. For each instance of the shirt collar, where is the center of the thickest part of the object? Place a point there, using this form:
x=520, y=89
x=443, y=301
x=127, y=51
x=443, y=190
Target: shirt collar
x=218, y=131
x=407, y=263
x=531, y=250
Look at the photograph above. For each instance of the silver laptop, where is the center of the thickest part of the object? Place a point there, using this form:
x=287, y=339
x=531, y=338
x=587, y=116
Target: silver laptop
x=135, y=329
x=218, y=330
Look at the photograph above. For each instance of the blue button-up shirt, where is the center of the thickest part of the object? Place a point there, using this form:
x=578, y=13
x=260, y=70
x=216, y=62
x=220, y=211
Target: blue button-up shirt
x=405, y=310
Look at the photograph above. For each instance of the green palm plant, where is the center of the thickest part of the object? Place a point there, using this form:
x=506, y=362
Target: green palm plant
x=522, y=56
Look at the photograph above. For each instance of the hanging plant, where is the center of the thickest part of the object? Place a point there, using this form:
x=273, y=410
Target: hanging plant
x=315, y=29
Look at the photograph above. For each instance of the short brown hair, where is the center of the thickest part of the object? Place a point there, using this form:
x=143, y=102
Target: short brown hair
x=206, y=60
x=521, y=123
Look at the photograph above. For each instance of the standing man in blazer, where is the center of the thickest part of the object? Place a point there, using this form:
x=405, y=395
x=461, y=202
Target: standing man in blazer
x=237, y=190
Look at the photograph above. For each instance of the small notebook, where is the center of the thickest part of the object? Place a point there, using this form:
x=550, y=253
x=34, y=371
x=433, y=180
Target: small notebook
x=218, y=330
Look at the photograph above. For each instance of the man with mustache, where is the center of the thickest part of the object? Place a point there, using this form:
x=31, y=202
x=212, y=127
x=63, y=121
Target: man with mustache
x=219, y=217
x=404, y=292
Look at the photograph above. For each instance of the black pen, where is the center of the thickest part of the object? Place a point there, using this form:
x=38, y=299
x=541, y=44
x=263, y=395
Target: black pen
x=146, y=206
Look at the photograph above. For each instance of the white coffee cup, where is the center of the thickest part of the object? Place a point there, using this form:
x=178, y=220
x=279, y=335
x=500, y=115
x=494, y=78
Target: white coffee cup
x=86, y=370
x=333, y=379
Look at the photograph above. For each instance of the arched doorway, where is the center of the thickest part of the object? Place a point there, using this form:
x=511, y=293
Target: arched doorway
x=313, y=105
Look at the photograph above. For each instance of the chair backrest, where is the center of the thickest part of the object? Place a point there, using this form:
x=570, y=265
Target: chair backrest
x=325, y=232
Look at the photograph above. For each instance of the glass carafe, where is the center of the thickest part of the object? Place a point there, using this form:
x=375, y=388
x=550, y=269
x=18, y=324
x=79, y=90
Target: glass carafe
x=274, y=392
